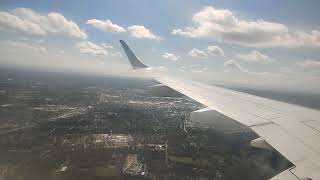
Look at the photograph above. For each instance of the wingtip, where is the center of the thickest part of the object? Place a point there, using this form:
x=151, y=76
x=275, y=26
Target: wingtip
x=134, y=61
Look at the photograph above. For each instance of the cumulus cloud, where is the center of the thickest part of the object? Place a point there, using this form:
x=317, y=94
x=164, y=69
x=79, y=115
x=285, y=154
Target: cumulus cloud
x=233, y=66
x=27, y=21
x=215, y=50
x=14, y=46
x=136, y=31
x=170, y=56
x=224, y=26
x=254, y=56
x=141, y=32
x=87, y=47
x=312, y=64
x=106, y=25
x=196, y=53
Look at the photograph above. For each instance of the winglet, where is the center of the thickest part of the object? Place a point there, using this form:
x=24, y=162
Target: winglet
x=135, y=62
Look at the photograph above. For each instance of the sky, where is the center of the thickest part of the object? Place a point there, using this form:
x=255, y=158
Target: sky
x=267, y=44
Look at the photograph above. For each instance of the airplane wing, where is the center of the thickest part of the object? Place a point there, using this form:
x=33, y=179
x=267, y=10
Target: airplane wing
x=292, y=130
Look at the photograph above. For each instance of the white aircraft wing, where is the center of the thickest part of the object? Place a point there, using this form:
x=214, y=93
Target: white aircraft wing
x=292, y=130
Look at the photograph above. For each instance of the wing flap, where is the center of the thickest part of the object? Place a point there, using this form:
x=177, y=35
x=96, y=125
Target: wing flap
x=290, y=147
x=285, y=175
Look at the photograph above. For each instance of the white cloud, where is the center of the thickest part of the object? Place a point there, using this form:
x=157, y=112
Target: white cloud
x=315, y=78
x=159, y=68
x=98, y=50
x=254, y=56
x=267, y=74
x=27, y=21
x=182, y=69
x=196, y=68
x=196, y=53
x=233, y=66
x=285, y=69
x=116, y=54
x=170, y=56
x=17, y=46
x=106, y=25
x=31, y=40
x=106, y=46
x=137, y=31
x=312, y=64
x=61, y=52
x=11, y=22
x=215, y=50
x=224, y=26
x=141, y=32
x=87, y=47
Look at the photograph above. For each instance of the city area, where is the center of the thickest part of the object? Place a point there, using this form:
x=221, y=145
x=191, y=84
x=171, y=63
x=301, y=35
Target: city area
x=69, y=126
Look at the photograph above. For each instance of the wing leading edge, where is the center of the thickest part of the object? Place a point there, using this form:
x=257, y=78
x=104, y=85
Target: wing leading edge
x=292, y=130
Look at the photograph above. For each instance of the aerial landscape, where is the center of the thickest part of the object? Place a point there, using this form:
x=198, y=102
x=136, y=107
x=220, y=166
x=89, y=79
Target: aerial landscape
x=159, y=90
x=62, y=126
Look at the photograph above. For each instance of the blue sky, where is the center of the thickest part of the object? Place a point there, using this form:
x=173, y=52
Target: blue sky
x=252, y=43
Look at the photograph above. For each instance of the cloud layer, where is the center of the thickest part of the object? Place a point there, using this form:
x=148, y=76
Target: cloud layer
x=18, y=46
x=224, y=26
x=27, y=21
